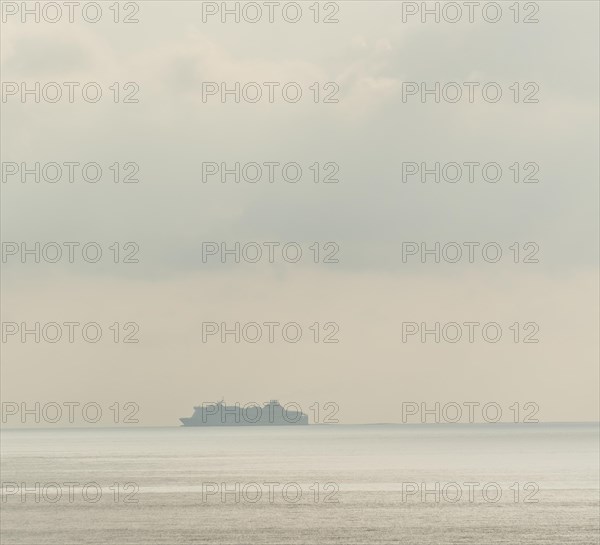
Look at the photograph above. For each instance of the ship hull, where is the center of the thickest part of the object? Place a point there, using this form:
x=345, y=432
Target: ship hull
x=272, y=414
x=191, y=423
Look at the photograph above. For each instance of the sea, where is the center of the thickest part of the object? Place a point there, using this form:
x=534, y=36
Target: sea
x=415, y=484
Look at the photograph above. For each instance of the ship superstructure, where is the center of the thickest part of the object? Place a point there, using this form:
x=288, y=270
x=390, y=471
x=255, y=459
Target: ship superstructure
x=251, y=414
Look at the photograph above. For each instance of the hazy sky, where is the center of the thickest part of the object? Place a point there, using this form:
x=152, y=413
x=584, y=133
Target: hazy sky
x=371, y=54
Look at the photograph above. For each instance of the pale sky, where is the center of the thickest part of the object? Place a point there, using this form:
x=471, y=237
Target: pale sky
x=369, y=214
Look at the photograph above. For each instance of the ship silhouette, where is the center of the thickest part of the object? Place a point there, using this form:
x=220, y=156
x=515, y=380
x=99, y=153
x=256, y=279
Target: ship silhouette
x=220, y=414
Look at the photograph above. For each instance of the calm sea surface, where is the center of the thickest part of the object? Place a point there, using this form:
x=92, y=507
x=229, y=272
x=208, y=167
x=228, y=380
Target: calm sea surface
x=413, y=484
